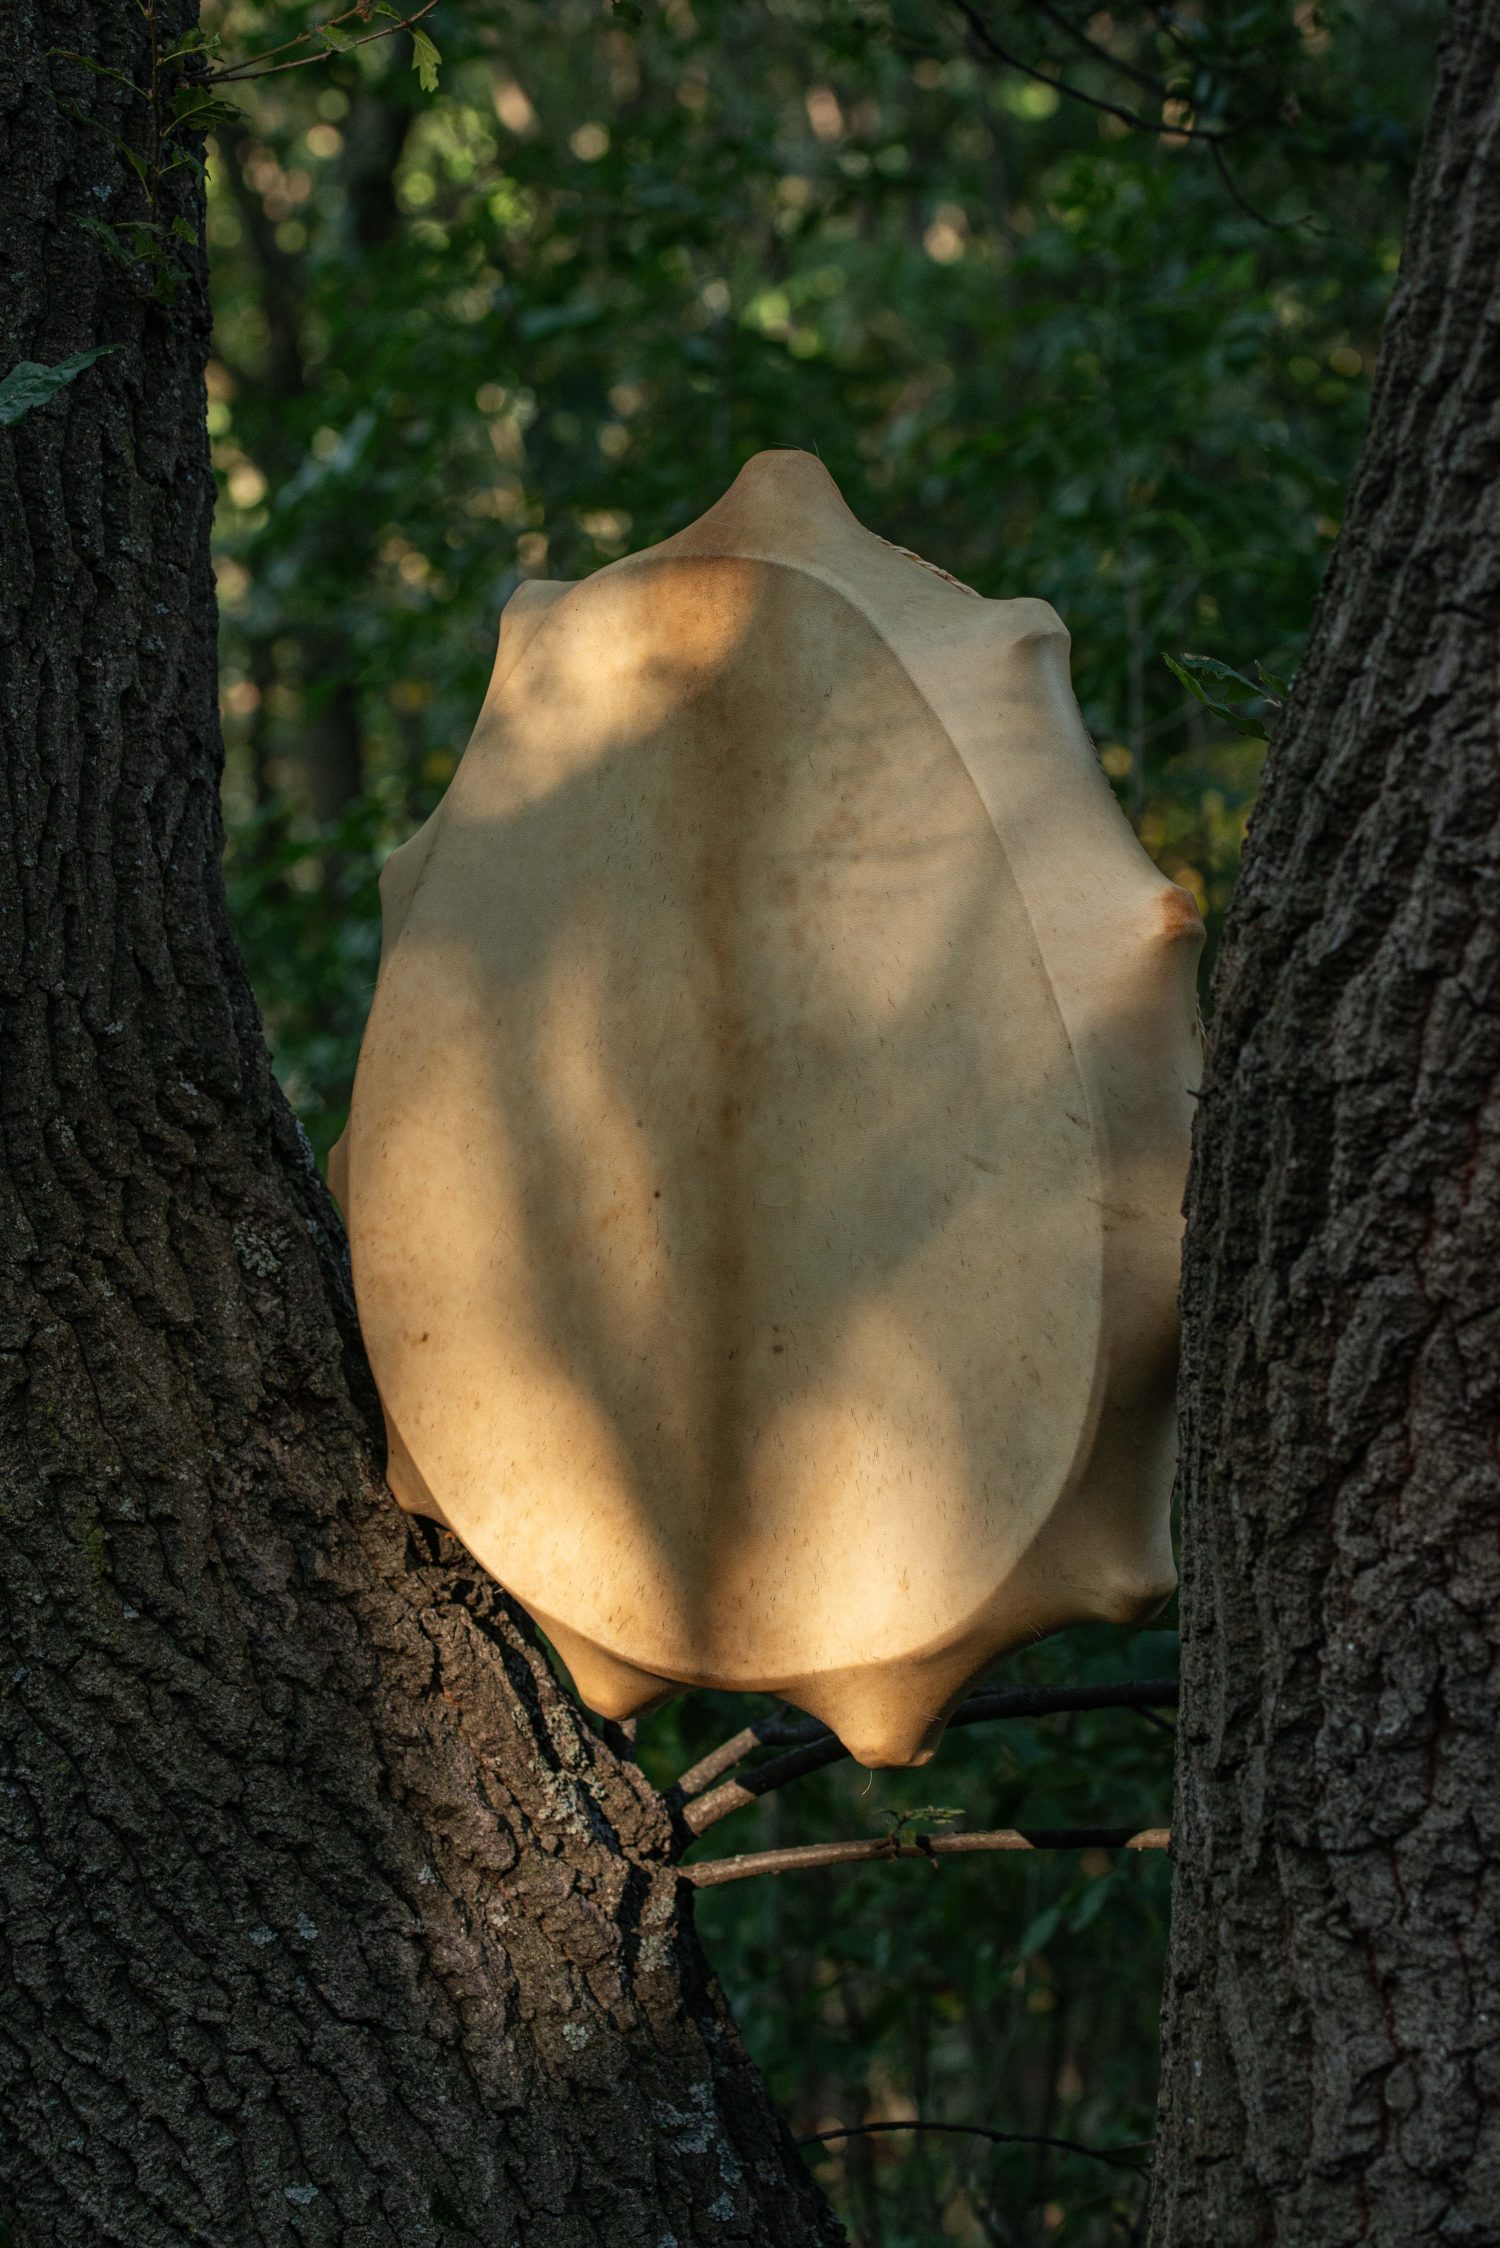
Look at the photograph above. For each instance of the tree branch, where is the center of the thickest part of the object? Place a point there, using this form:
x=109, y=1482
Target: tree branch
x=778, y=1730
x=1277, y=226
x=1118, y=2157
x=719, y=1761
x=982, y=35
x=259, y=67
x=819, y=1747
x=1081, y=39
x=1223, y=66
x=712, y=1872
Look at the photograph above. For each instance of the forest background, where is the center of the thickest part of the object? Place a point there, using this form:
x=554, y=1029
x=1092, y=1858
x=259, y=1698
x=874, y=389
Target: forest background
x=536, y=315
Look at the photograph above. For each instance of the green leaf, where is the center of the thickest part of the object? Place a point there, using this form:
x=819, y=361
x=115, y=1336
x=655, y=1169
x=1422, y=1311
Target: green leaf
x=337, y=38
x=183, y=230
x=1233, y=719
x=1041, y=1930
x=1186, y=678
x=198, y=113
x=424, y=59
x=1254, y=729
x=1209, y=667
x=103, y=232
x=31, y=384
x=184, y=156
x=132, y=156
x=198, y=42
x=99, y=69
x=1273, y=686
x=942, y=1813
x=1249, y=727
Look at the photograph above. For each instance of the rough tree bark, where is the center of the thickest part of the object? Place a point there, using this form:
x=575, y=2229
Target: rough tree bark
x=1333, y=2036
x=323, y=1915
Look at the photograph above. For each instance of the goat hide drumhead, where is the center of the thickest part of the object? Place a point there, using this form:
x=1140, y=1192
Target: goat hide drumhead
x=767, y=1149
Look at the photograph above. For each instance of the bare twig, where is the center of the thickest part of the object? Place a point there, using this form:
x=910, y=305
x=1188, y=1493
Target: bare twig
x=1080, y=38
x=259, y=67
x=818, y=1747
x=722, y=1759
x=1223, y=66
x=1277, y=226
x=984, y=37
x=714, y=1871
x=1119, y=2157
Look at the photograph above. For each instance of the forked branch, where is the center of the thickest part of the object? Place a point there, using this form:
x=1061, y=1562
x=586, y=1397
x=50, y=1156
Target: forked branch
x=815, y=1746
x=983, y=37
x=337, y=42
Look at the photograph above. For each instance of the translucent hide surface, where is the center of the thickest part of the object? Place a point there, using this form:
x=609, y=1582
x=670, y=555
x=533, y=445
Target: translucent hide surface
x=769, y=1136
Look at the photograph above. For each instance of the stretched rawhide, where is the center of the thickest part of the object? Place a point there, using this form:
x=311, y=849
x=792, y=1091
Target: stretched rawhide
x=768, y=1143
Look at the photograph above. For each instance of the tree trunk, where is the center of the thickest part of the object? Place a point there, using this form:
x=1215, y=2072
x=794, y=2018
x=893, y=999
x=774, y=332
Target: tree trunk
x=326, y=1917
x=1334, y=1986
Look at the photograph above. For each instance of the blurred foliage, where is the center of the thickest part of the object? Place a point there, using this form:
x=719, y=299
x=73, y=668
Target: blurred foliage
x=1017, y=1992
x=537, y=319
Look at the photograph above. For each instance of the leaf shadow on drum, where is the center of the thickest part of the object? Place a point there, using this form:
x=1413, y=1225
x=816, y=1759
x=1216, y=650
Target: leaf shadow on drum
x=731, y=1269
